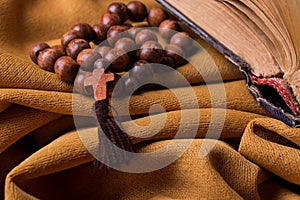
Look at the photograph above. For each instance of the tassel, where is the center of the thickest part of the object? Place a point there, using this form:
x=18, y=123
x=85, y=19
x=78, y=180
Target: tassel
x=114, y=133
x=108, y=127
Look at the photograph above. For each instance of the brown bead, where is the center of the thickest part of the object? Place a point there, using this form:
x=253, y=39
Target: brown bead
x=128, y=45
x=79, y=83
x=103, y=50
x=168, y=61
x=183, y=40
x=125, y=44
x=116, y=32
x=86, y=59
x=36, y=49
x=176, y=53
x=76, y=46
x=101, y=63
x=66, y=69
x=100, y=34
x=133, y=31
x=127, y=26
x=69, y=36
x=151, y=51
x=119, y=9
x=145, y=35
x=86, y=30
x=61, y=50
x=108, y=20
x=130, y=84
x=156, y=16
x=47, y=58
x=118, y=60
x=137, y=11
x=142, y=71
x=168, y=28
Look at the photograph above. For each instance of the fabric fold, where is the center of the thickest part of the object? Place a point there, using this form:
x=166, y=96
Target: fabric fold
x=18, y=121
x=36, y=108
x=40, y=168
x=236, y=95
x=274, y=146
x=71, y=150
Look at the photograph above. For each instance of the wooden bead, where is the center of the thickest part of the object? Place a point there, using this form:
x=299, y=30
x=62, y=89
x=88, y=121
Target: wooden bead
x=103, y=50
x=130, y=84
x=119, y=9
x=79, y=83
x=47, y=58
x=128, y=45
x=151, y=51
x=168, y=61
x=116, y=32
x=101, y=63
x=127, y=26
x=133, y=31
x=125, y=44
x=76, y=46
x=86, y=30
x=142, y=71
x=66, y=68
x=100, y=34
x=168, y=28
x=137, y=11
x=36, y=49
x=176, y=53
x=108, y=20
x=61, y=50
x=145, y=35
x=86, y=59
x=183, y=40
x=69, y=36
x=156, y=16
x=118, y=60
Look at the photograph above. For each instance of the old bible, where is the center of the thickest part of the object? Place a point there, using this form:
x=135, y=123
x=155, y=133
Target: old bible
x=261, y=38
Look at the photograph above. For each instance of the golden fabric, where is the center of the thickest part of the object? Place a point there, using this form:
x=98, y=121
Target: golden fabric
x=42, y=156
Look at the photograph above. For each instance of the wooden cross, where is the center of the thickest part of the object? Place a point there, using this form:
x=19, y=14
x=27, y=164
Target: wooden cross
x=98, y=81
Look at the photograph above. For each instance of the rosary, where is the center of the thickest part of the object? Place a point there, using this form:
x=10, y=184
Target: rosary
x=120, y=47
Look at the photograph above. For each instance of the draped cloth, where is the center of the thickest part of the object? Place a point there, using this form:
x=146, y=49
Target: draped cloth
x=42, y=155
